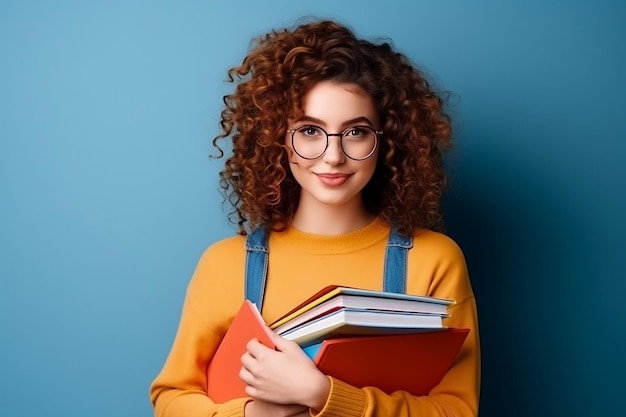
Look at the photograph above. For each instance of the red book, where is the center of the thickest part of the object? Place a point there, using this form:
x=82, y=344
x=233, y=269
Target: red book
x=413, y=362
x=410, y=362
x=223, y=371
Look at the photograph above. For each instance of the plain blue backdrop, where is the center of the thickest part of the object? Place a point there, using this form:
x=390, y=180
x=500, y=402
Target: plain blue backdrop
x=108, y=198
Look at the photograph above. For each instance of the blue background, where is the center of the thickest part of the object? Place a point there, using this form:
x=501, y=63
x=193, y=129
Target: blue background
x=108, y=198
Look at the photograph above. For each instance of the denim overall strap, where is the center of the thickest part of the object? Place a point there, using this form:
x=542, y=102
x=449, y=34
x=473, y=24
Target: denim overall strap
x=256, y=266
x=398, y=246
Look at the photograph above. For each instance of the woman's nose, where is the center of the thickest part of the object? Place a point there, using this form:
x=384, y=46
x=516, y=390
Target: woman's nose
x=334, y=154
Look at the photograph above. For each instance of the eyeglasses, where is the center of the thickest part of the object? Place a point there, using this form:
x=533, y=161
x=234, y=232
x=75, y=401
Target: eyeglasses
x=357, y=142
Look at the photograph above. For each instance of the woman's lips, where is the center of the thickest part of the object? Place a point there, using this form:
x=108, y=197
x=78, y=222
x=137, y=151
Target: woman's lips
x=333, y=180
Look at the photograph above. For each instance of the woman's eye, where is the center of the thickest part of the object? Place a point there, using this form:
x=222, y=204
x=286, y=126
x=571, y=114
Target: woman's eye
x=355, y=131
x=310, y=131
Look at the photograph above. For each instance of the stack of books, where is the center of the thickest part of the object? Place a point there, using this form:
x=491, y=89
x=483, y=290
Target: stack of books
x=362, y=337
x=341, y=311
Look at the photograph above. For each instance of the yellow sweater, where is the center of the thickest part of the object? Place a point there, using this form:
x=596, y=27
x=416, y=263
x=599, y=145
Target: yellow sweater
x=299, y=265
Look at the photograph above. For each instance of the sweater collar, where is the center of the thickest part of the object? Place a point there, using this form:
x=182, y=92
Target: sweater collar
x=370, y=235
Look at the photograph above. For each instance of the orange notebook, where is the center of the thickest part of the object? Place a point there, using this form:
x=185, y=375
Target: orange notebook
x=223, y=371
x=410, y=362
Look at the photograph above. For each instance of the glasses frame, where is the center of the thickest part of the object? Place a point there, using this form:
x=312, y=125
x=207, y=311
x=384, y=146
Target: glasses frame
x=328, y=135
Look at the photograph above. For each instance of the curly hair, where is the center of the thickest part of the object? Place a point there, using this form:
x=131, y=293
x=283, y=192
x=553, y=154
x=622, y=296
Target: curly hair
x=282, y=66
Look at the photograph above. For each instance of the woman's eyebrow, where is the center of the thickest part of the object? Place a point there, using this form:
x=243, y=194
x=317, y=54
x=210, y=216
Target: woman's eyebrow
x=351, y=122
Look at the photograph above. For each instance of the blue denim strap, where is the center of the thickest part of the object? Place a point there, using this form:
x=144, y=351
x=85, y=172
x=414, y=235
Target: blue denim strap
x=394, y=279
x=256, y=266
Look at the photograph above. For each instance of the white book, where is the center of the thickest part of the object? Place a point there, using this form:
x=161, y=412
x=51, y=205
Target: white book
x=349, y=322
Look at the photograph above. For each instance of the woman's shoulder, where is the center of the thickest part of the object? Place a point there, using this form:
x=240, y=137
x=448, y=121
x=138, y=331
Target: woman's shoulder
x=439, y=263
x=437, y=240
x=436, y=246
x=218, y=263
x=226, y=247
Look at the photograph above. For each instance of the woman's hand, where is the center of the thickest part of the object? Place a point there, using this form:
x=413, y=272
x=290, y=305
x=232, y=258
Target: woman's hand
x=283, y=376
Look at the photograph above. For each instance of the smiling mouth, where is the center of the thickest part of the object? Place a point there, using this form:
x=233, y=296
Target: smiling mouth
x=333, y=179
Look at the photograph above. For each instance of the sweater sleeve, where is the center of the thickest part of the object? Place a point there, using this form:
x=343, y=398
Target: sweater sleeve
x=457, y=393
x=180, y=388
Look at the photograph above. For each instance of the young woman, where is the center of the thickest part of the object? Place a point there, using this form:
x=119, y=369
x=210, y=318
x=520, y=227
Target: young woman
x=334, y=141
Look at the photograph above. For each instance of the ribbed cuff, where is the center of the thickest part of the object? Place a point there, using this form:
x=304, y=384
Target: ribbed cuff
x=233, y=408
x=343, y=401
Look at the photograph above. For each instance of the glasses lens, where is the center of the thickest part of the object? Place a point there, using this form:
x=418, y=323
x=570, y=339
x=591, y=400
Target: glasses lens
x=309, y=141
x=358, y=142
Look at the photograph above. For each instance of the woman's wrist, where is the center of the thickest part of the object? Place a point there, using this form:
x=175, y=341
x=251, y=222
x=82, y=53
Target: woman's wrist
x=319, y=393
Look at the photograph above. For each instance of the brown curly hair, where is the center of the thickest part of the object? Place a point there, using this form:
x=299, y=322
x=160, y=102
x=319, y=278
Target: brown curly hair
x=283, y=65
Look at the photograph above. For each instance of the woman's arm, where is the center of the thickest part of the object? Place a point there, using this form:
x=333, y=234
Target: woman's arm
x=211, y=301
x=457, y=393
x=180, y=388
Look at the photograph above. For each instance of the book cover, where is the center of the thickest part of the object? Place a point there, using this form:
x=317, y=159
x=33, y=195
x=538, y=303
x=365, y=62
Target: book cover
x=331, y=291
x=412, y=362
x=223, y=370
x=347, y=321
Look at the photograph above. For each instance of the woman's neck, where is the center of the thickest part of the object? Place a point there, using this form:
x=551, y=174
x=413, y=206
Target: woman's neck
x=331, y=220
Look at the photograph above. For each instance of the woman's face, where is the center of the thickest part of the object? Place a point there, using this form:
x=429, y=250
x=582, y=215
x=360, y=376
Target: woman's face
x=333, y=179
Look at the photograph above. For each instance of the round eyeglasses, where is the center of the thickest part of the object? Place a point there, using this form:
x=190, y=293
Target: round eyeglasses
x=357, y=142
